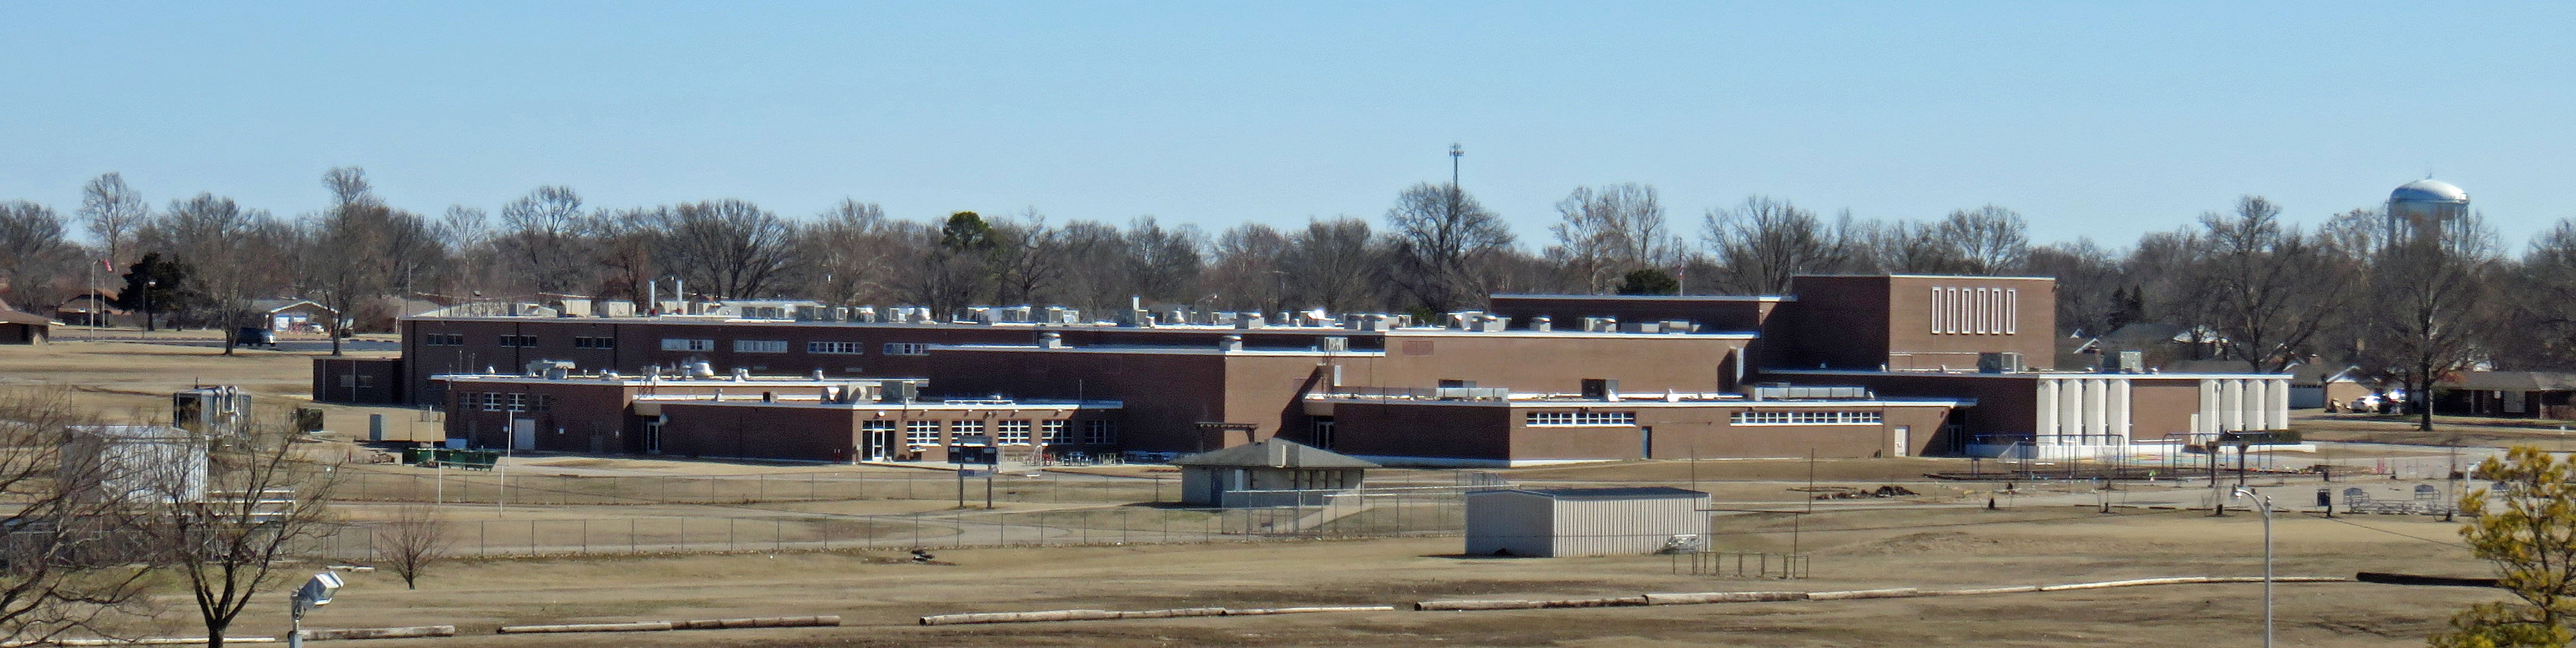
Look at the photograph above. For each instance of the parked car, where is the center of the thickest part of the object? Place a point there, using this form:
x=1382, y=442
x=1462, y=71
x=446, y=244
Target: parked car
x=2366, y=403
x=254, y=336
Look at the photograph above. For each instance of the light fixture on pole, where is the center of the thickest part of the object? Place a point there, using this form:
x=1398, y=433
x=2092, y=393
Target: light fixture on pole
x=2263, y=503
x=315, y=592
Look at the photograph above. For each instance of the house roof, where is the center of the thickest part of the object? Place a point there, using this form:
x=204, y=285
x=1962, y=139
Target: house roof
x=1634, y=492
x=1274, y=453
x=2514, y=381
x=275, y=305
x=10, y=316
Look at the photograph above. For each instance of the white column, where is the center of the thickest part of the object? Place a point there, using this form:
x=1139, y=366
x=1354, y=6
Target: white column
x=2120, y=409
x=2096, y=407
x=2045, y=427
x=2277, y=412
x=2231, y=404
x=2070, y=409
x=2208, y=420
x=2255, y=398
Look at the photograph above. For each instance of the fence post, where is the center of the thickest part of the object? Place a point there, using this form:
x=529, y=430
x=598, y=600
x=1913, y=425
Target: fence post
x=630, y=535
x=585, y=536
x=778, y=534
x=532, y=537
x=482, y=539
x=729, y=533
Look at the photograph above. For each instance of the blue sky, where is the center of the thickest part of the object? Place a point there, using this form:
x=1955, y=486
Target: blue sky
x=2092, y=119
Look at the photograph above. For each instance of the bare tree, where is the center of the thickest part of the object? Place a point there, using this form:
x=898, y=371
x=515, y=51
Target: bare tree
x=1030, y=257
x=1335, y=264
x=2548, y=270
x=2269, y=288
x=32, y=251
x=68, y=547
x=1763, y=242
x=1244, y=267
x=218, y=239
x=733, y=248
x=113, y=211
x=1440, y=234
x=857, y=253
x=1163, y=264
x=412, y=541
x=1987, y=240
x=1603, y=232
x=263, y=500
x=2430, y=296
x=357, y=250
x=545, y=235
x=2094, y=296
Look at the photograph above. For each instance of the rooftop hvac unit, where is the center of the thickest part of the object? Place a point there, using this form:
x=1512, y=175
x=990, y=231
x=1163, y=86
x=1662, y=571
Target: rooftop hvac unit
x=897, y=391
x=1642, y=327
x=1600, y=324
x=1492, y=323
x=1679, y=326
x=1336, y=343
x=2124, y=362
x=1542, y=323
x=550, y=369
x=2005, y=362
x=1251, y=321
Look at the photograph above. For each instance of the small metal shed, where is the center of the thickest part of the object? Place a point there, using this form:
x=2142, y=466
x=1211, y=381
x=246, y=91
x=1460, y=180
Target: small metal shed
x=1276, y=472
x=1568, y=522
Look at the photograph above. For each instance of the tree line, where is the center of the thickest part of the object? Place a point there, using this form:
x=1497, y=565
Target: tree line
x=2241, y=283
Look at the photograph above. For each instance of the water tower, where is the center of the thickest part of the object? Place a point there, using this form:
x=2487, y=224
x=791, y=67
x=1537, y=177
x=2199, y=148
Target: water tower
x=2425, y=208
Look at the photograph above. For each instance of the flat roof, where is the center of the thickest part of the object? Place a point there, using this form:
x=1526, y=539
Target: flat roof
x=2024, y=374
x=1630, y=492
x=1659, y=403
x=1721, y=298
x=707, y=320
x=1161, y=350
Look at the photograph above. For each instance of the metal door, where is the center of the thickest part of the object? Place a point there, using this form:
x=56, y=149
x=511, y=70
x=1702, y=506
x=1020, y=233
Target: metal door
x=1902, y=438
x=523, y=434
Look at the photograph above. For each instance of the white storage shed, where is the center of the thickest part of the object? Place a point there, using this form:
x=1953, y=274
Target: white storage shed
x=1568, y=522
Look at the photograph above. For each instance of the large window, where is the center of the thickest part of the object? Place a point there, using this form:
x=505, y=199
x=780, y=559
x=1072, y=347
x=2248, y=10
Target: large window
x=760, y=346
x=1803, y=418
x=443, y=339
x=907, y=348
x=920, y=433
x=1575, y=419
x=686, y=344
x=518, y=402
x=518, y=340
x=843, y=348
x=959, y=430
x=1100, y=432
x=492, y=401
x=1054, y=429
x=594, y=342
x=1011, y=432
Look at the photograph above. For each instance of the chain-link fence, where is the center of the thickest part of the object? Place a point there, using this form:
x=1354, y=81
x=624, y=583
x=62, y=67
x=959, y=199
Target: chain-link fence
x=466, y=486
x=1388, y=517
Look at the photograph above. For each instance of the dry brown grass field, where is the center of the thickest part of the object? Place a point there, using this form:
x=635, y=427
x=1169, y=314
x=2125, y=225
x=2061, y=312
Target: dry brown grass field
x=1940, y=539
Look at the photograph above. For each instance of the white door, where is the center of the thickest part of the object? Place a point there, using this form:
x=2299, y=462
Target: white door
x=523, y=434
x=1899, y=440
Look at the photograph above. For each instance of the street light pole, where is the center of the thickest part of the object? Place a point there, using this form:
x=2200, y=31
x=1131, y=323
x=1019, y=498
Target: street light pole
x=2265, y=504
